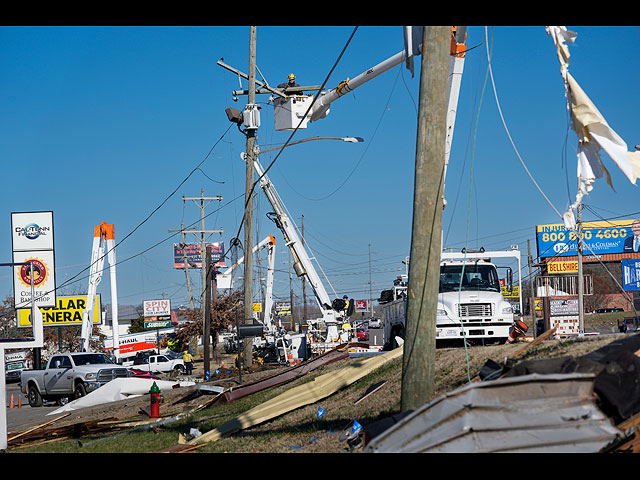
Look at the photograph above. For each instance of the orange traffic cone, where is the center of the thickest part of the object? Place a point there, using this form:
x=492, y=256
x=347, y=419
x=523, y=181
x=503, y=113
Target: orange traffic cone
x=517, y=329
x=11, y=403
x=20, y=401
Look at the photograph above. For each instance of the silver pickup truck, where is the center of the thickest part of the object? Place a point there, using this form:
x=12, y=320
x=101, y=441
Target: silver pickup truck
x=69, y=376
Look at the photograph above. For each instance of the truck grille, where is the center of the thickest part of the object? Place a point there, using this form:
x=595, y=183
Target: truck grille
x=474, y=310
x=108, y=374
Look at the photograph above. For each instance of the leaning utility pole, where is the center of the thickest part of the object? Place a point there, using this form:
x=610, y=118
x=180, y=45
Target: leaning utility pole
x=424, y=270
x=248, y=199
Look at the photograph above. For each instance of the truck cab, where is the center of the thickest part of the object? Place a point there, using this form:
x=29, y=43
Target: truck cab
x=470, y=302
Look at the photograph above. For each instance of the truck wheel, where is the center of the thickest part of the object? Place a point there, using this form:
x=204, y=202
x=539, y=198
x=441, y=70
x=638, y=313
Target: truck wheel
x=34, y=397
x=178, y=370
x=80, y=391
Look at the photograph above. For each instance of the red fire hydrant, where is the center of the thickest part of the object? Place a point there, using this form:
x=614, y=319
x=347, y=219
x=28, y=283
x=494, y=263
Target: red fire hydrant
x=156, y=399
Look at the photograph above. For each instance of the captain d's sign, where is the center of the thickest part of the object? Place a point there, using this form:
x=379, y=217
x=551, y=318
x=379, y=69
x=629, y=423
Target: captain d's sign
x=68, y=311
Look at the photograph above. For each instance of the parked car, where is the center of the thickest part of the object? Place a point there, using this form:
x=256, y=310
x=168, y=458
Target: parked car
x=161, y=364
x=607, y=310
x=69, y=376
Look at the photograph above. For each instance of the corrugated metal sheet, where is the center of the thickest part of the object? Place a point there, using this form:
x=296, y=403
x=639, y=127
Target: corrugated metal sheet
x=530, y=413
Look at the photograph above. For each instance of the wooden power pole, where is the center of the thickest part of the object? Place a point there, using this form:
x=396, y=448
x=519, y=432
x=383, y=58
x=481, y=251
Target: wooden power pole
x=248, y=207
x=424, y=270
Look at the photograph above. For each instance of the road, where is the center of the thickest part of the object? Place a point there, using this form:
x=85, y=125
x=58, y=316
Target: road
x=20, y=418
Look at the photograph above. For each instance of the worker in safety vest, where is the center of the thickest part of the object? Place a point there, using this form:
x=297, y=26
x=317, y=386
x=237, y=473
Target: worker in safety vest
x=345, y=298
x=188, y=362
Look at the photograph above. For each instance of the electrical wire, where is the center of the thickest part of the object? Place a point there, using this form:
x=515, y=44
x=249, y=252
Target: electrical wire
x=509, y=135
x=75, y=278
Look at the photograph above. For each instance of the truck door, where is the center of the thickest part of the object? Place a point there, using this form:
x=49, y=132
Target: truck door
x=58, y=376
x=162, y=364
x=153, y=364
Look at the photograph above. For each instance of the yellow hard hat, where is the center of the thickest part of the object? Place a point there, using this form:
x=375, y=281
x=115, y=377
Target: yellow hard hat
x=292, y=76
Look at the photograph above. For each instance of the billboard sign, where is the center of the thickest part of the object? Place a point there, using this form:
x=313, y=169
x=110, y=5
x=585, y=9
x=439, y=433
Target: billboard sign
x=68, y=311
x=283, y=308
x=603, y=237
x=32, y=231
x=44, y=279
x=32, y=241
x=157, y=322
x=157, y=308
x=631, y=275
x=362, y=305
x=194, y=257
x=562, y=267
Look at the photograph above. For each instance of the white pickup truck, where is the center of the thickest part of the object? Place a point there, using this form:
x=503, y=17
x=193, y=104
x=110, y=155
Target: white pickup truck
x=69, y=376
x=161, y=364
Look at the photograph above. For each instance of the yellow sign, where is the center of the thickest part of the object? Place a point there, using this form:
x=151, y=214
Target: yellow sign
x=562, y=267
x=257, y=307
x=514, y=293
x=68, y=311
x=559, y=227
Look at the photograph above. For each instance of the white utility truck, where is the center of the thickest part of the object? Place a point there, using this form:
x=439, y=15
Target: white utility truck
x=470, y=304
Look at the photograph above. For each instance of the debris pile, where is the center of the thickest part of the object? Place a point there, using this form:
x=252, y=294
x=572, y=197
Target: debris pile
x=569, y=404
x=588, y=403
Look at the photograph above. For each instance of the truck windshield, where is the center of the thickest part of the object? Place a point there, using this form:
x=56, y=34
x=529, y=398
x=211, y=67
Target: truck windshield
x=476, y=277
x=90, y=359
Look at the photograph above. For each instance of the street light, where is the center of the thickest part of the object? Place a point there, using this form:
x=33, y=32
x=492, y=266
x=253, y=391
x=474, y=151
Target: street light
x=344, y=139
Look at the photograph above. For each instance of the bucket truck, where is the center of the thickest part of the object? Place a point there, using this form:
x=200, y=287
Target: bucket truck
x=327, y=331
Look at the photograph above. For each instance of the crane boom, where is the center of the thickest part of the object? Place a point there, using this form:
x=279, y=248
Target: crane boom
x=301, y=261
x=224, y=280
x=103, y=237
x=458, y=37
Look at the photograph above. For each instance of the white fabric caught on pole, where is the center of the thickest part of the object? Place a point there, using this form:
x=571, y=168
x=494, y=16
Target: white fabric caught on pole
x=594, y=133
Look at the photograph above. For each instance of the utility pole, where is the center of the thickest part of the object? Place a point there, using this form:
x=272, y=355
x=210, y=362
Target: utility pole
x=248, y=198
x=370, y=287
x=186, y=263
x=203, y=253
x=580, y=282
x=304, y=285
x=424, y=272
x=206, y=340
x=532, y=303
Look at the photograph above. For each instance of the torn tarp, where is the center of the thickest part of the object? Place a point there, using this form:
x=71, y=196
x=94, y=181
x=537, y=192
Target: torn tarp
x=118, y=389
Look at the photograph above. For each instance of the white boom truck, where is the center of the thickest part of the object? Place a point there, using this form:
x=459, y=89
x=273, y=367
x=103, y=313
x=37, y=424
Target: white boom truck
x=470, y=303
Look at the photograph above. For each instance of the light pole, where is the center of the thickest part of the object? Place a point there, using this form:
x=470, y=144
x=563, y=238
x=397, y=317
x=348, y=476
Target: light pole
x=344, y=139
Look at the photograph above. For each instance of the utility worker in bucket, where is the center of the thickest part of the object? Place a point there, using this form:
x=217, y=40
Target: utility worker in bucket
x=290, y=83
x=188, y=362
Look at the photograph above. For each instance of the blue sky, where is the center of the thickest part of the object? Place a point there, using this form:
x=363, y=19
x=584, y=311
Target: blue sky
x=104, y=123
